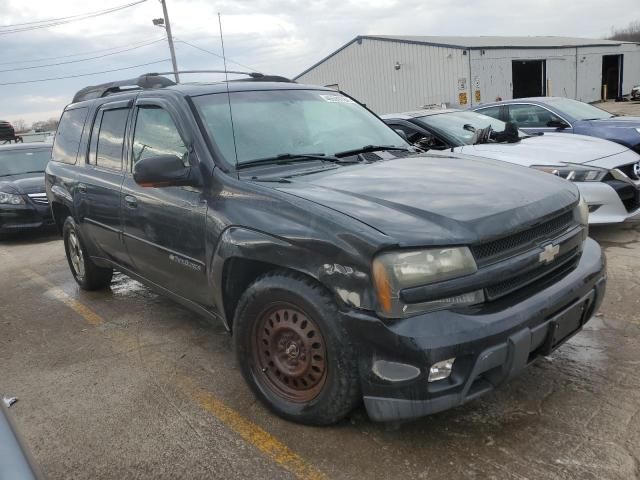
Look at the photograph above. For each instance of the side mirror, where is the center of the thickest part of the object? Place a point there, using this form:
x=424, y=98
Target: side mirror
x=557, y=123
x=162, y=171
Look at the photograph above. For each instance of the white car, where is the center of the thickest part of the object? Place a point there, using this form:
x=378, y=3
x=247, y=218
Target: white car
x=607, y=173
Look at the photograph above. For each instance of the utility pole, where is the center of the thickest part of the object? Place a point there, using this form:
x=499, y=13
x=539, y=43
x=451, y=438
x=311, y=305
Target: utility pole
x=170, y=39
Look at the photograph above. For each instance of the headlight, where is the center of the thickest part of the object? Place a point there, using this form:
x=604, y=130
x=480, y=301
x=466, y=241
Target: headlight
x=574, y=173
x=638, y=130
x=11, y=199
x=581, y=212
x=394, y=271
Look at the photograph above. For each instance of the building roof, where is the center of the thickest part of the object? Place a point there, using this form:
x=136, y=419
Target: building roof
x=480, y=42
x=498, y=42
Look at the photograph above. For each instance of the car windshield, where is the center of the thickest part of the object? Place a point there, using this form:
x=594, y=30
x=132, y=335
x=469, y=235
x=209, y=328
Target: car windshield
x=23, y=160
x=452, y=125
x=578, y=110
x=276, y=122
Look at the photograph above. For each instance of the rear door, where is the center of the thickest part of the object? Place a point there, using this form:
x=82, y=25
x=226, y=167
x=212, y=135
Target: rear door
x=101, y=181
x=164, y=227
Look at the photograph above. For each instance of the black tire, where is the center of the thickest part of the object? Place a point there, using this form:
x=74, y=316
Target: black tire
x=324, y=369
x=86, y=273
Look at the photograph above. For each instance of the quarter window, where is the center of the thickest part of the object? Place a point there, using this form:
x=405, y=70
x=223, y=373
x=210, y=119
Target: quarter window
x=157, y=134
x=67, y=140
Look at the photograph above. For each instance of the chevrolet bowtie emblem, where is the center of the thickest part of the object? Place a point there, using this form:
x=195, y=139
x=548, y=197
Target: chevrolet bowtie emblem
x=548, y=254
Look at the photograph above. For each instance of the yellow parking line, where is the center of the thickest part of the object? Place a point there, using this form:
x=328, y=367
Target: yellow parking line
x=85, y=312
x=270, y=446
x=250, y=432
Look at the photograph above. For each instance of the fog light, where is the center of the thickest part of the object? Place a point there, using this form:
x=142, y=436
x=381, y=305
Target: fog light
x=441, y=370
x=394, y=371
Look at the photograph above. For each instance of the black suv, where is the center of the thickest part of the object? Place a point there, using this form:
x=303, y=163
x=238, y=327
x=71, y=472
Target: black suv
x=346, y=265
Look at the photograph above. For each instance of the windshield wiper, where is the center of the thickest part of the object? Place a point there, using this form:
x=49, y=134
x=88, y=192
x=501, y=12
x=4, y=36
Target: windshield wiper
x=367, y=149
x=283, y=158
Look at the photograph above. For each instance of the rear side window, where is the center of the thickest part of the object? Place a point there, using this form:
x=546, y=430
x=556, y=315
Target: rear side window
x=107, y=138
x=490, y=112
x=67, y=141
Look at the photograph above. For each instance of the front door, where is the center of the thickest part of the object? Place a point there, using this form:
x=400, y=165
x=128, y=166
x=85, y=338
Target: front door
x=164, y=226
x=535, y=119
x=101, y=180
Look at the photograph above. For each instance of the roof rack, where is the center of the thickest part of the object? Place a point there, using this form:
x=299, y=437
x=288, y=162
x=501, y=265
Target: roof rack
x=157, y=80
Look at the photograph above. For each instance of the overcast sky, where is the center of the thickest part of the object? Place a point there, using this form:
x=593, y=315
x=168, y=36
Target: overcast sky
x=275, y=36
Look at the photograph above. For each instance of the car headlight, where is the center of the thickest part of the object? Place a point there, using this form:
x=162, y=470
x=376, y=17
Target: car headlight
x=395, y=271
x=574, y=173
x=638, y=130
x=11, y=199
x=581, y=212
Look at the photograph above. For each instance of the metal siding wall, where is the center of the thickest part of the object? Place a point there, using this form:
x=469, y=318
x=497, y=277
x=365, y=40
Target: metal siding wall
x=429, y=75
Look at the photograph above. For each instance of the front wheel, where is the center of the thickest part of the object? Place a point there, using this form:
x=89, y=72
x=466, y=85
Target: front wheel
x=293, y=351
x=86, y=273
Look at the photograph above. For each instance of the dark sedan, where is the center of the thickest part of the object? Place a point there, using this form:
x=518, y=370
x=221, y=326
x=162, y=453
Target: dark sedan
x=557, y=114
x=23, y=201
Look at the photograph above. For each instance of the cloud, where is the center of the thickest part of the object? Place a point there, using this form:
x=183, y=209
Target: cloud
x=274, y=36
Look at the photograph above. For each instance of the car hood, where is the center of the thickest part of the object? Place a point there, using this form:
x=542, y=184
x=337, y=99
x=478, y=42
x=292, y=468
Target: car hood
x=548, y=149
x=437, y=199
x=25, y=183
x=622, y=121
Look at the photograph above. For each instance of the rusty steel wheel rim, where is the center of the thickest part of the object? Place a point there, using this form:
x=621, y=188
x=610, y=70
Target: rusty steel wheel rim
x=290, y=353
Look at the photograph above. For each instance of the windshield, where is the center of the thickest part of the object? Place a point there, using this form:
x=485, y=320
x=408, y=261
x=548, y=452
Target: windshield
x=15, y=162
x=578, y=110
x=276, y=122
x=451, y=125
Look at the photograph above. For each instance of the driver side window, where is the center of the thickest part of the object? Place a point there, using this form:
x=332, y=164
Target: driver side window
x=530, y=116
x=157, y=134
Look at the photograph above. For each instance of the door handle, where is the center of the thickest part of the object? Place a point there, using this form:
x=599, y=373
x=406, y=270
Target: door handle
x=131, y=201
x=82, y=188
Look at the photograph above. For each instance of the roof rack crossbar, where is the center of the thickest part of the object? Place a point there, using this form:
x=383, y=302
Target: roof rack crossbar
x=157, y=80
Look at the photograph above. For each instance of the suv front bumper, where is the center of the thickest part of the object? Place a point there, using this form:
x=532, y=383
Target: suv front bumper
x=491, y=343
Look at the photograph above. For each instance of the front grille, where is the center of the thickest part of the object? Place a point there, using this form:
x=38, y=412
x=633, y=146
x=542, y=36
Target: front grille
x=544, y=273
x=629, y=171
x=39, y=198
x=511, y=245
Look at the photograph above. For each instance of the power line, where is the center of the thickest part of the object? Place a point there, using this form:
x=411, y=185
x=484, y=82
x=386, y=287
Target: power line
x=79, y=54
x=63, y=20
x=215, y=54
x=84, y=74
x=80, y=59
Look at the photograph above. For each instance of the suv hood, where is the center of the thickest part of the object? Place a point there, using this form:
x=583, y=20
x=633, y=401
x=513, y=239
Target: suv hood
x=549, y=149
x=437, y=199
x=24, y=183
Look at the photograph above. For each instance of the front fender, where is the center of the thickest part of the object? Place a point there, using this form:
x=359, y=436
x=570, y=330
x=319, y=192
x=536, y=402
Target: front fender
x=347, y=278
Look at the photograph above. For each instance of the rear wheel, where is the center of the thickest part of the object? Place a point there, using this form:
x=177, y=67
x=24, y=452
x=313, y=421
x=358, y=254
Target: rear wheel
x=293, y=351
x=86, y=273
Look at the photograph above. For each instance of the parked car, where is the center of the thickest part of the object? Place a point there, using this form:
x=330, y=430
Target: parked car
x=607, y=174
x=16, y=462
x=564, y=115
x=345, y=265
x=23, y=200
x=7, y=133
x=635, y=93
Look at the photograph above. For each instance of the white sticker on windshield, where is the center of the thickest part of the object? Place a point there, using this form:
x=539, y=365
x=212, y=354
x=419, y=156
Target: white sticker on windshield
x=337, y=99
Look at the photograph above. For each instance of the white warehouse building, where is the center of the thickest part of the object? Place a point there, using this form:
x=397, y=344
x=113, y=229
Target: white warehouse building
x=399, y=73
